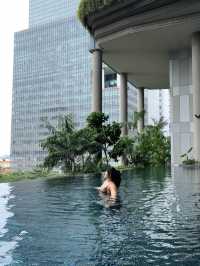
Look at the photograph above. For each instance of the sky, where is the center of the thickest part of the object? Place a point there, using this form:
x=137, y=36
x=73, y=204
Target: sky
x=13, y=17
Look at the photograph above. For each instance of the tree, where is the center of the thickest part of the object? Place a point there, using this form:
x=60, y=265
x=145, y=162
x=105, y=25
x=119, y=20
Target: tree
x=81, y=150
x=58, y=144
x=151, y=146
x=123, y=148
x=68, y=148
x=132, y=125
x=86, y=146
x=106, y=135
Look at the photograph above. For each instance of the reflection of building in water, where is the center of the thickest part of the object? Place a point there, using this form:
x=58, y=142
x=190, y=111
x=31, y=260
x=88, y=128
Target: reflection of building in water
x=187, y=201
x=188, y=185
x=48, y=212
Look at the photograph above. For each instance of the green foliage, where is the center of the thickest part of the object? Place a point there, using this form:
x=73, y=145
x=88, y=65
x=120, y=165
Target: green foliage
x=88, y=7
x=78, y=150
x=92, y=148
x=96, y=119
x=21, y=175
x=136, y=117
x=151, y=146
x=186, y=155
x=68, y=148
x=185, y=158
x=189, y=162
x=106, y=135
x=122, y=148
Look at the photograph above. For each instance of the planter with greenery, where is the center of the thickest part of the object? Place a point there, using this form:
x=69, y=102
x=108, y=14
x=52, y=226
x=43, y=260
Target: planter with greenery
x=187, y=159
x=24, y=175
x=88, y=7
x=93, y=148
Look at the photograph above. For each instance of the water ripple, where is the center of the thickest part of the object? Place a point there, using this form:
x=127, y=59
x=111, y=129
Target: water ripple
x=155, y=221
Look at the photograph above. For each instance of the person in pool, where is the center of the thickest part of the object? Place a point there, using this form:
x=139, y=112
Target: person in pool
x=111, y=183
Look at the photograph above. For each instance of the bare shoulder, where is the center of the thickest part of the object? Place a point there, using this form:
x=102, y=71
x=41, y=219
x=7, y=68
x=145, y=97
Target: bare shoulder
x=112, y=185
x=113, y=189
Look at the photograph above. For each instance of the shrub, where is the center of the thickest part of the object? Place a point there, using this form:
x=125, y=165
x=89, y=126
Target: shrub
x=152, y=146
x=81, y=150
x=88, y=7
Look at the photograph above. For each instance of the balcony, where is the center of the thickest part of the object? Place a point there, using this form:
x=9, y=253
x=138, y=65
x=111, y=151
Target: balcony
x=138, y=36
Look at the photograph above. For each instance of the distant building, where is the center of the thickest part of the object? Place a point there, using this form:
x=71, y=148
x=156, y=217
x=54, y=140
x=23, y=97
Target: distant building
x=5, y=166
x=52, y=70
x=111, y=84
x=159, y=106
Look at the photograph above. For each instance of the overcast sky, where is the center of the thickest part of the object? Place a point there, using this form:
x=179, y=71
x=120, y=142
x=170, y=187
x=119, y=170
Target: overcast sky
x=13, y=17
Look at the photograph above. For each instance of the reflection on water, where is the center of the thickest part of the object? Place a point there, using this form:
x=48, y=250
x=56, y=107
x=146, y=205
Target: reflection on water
x=5, y=191
x=7, y=244
x=155, y=221
x=108, y=202
x=5, y=247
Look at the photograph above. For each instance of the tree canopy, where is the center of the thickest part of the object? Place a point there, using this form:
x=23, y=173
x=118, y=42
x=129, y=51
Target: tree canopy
x=94, y=147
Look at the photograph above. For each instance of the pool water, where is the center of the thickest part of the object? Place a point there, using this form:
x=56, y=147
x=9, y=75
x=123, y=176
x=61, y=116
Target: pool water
x=155, y=221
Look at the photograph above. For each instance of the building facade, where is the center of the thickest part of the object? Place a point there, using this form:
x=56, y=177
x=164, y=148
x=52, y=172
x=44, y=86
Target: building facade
x=45, y=11
x=157, y=44
x=110, y=94
x=158, y=107
x=52, y=78
x=182, y=104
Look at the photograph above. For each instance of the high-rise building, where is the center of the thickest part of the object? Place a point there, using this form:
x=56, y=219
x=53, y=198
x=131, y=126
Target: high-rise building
x=111, y=84
x=158, y=107
x=45, y=11
x=52, y=70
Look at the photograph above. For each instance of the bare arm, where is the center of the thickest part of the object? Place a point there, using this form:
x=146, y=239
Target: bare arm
x=113, y=191
x=103, y=187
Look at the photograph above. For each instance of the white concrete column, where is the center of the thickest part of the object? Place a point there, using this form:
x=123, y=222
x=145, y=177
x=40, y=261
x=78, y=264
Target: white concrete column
x=140, y=104
x=103, y=78
x=96, y=80
x=196, y=92
x=118, y=80
x=123, y=103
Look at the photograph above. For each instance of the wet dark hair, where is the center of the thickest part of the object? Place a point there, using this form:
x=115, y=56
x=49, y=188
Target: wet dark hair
x=115, y=176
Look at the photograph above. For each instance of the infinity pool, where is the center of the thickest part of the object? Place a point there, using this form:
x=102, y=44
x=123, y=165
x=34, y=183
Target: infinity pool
x=155, y=221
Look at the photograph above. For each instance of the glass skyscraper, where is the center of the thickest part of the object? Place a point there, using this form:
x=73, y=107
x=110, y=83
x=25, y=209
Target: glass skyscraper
x=52, y=72
x=45, y=11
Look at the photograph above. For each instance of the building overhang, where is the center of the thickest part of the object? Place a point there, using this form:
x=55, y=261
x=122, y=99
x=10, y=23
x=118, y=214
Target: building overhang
x=138, y=37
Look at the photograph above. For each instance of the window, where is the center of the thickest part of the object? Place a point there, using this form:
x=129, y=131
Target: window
x=110, y=80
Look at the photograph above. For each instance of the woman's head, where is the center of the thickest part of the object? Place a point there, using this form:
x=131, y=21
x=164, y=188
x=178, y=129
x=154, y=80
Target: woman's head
x=114, y=175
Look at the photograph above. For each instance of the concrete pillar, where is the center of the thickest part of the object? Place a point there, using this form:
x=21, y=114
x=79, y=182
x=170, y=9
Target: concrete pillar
x=103, y=78
x=140, y=104
x=96, y=80
x=196, y=93
x=118, y=80
x=123, y=103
